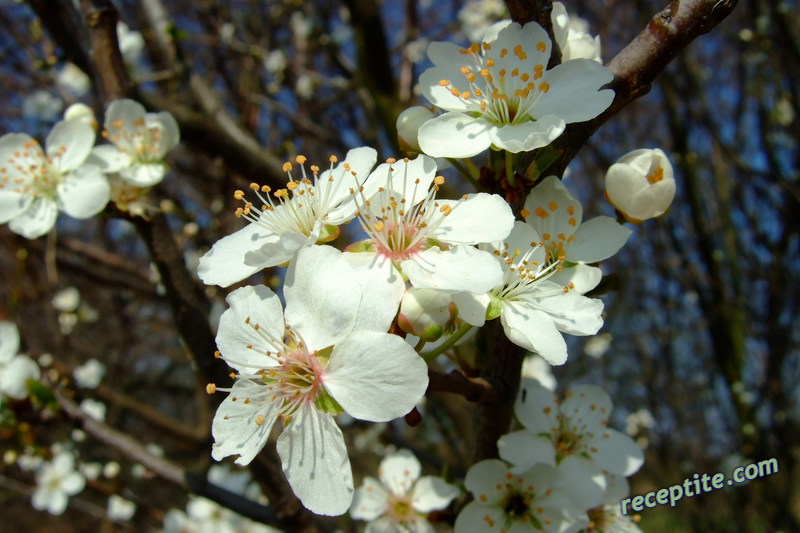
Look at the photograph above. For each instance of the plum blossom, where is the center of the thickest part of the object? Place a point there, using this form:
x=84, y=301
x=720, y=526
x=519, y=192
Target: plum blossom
x=429, y=240
x=328, y=353
x=518, y=502
x=140, y=140
x=573, y=37
x=641, y=184
x=573, y=435
x=15, y=369
x=607, y=517
x=35, y=183
x=309, y=210
x=534, y=305
x=56, y=482
x=401, y=499
x=498, y=94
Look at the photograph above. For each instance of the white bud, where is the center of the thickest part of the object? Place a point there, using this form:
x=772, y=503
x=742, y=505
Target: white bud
x=641, y=184
x=82, y=113
x=426, y=313
x=408, y=124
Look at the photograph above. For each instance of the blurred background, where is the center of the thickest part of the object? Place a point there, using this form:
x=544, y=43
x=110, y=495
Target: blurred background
x=700, y=350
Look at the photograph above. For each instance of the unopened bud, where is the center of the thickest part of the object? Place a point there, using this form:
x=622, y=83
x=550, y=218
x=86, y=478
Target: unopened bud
x=641, y=184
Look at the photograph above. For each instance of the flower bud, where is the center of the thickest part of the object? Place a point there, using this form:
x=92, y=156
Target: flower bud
x=641, y=184
x=426, y=313
x=82, y=113
x=408, y=124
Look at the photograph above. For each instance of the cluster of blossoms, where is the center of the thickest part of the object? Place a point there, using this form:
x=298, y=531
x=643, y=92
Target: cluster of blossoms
x=433, y=268
x=72, y=175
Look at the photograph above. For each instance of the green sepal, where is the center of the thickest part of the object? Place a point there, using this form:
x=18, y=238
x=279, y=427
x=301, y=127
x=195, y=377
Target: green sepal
x=494, y=307
x=324, y=354
x=361, y=246
x=326, y=403
x=40, y=393
x=329, y=232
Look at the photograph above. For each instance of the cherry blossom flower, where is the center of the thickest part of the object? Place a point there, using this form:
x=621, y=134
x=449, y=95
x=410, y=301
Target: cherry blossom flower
x=533, y=309
x=427, y=239
x=140, y=140
x=328, y=353
x=307, y=211
x=56, y=482
x=401, y=499
x=641, y=184
x=607, y=517
x=89, y=374
x=573, y=37
x=15, y=369
x=35, y=184
x=498, y=94
x=517, y=502
x=408, y=124
x=572, y=435
x=120, y=509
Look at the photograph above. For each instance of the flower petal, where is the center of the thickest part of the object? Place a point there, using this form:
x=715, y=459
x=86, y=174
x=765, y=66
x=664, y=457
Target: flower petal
x=241, y=345
x=479, y=518
x=334, y=185
x=433, y=494
x=572, y=313
x=369, y=500
x=486, y=480
x=461, y=268
x=322, y=296
x=12, y=204
x=575, y=96
x=144, y=174
x=236, y=426
x=536, y=407
x=583, y=480
x=9, y=341
x=598, y=239
x=472, y=307
x=552, y=210
x=528, y=135
x=382, y=289
x=169, y=136
x=534, y=330
x=399, y=471
x=315, y=462
x=224, y=264
x=84, y=192
x=15, y=375
x=475, y=219
x=455, y=135
x=38, y=219
x=69, y=143
x=375, y=376
x=523, y=449
x=617, y=453
x=109, y=158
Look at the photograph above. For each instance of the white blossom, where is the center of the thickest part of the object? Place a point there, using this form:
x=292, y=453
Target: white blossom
x=42, y=105
x=573, y=37
x=56, y=482
x=498, y=94
x=401, y=499
x=15, y=369
x=641, y=184
x=89, y=374
x=120, y=509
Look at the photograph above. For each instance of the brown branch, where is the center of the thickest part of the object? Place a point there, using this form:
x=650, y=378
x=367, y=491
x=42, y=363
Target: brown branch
x=457, y=382
x=106, y=59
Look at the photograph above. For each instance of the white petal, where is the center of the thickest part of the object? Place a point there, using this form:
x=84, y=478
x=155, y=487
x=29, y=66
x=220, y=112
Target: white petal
x=399, y=471
x=528, y=135
x=73, y=483
x=69, y=144
x=18, y=152
x=480, y=518
x=224, y=264
x=279, y=250
x=334, y=186
x=617, y=453
x=243, y=347
x=38, y=219
x=574, y=95
x=462, y=268
x=477, y=218
x=12, y=204
x=109, y=158
x=433, y=494
x=523, y=449
x=122, y=116
x=580, y=277
x=534, y=330
x=235, y=427
x=598, y=239
x=9, y=341
x=84, y=192
x=382, y=289
x=552, y=210
x=15, y=375
x=587, y=406
x=315, y=462
x=472, y=307
x=456, y=135
x=144, y=174
x=572, y=312
x=322, y=296
x=583, y=480
x=536, y=407
x=369, y=500
x=486, y=480
x=375, y=376
x=170, y=134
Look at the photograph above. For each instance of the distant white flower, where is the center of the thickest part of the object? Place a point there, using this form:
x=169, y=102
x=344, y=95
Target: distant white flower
x=477, y=15
x=73, y=80
x=131, y=43
x=639, y=420
x=401, y=499
x=499, y=94
x=641, y=184
x=330, y=355
x=307, y=211
x=42, y=105
x=304, y=87
x=119, y=509
x=89, y=374
x=506, y=501
x=408, y=124
x=573, y=37
x=536, y=367
x=15, y=369
x=94, y=409
x=608, y=517
x=275, y=62
x=597, y=345
x=428, y=240
x=56, y=482
x=67, y=300
x=140, y=140
x=571, y=434
x=35, y=184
